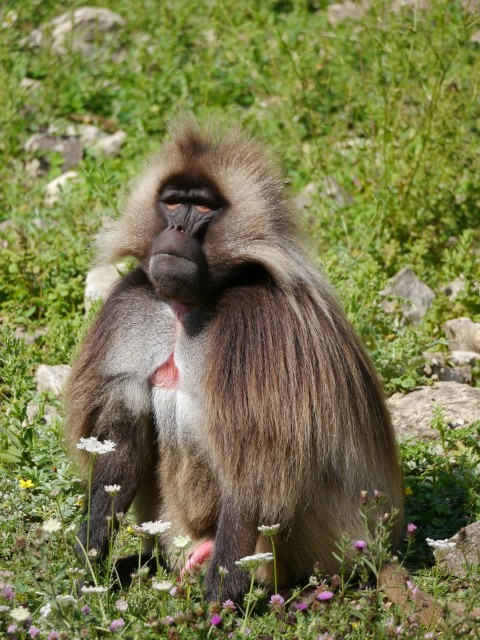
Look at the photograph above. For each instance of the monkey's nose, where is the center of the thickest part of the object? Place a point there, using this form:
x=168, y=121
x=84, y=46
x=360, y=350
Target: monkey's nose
x=177, y=227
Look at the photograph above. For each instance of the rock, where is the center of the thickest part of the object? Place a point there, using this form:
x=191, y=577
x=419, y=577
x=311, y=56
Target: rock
x=405, y=284
x=334, y=190
x=304, y=198
x=413, y=412
x=464, y=556
x=475, y=37
x=30, y=85
x=340, y=11
x=6, y=224
x=37, y=167
x=49, y=415
x=110, y=145
x=462, y=375
x=51, y=378
x=464, y=358
x=70, y=148
x=463, y=334
x=99, y=282
x=452, y=289
x=78, y=30
x=55, y=187
x=94, y=138
x=450, y=367
x=29, y=338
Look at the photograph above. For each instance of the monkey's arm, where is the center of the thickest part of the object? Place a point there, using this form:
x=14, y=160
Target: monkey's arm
x=108, y=397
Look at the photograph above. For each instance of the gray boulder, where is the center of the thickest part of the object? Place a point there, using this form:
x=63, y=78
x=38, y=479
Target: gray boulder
x=412, y=413
x=464, y=557
x=99, y=282
x=463, y=334
x=70, y=148
x=78, y=29
x=55, y=187
x=52, y=378
x=407, y=286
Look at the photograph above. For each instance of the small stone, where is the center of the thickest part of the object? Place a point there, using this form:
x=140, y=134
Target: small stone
x=475, y=37
x=37, y=168
x=111, y=144
x=463, y=558
x=463, y=334
x=78, y=30
x=340, y=11
x=51, y=378
x=94, y=138
x=30, y=85
x=6, y=224
x=50, y=413
x=29, y=338
x=304, y=198
x=334, y=190
x=450, y=367
x=413, y=412
x=99, y=282
x=70, y=148
x=406, y=285
x=463, y=358
x=452, y=289
x=55, y=187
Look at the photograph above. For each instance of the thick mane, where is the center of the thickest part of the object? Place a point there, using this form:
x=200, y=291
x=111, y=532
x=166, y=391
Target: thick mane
x=289, y=382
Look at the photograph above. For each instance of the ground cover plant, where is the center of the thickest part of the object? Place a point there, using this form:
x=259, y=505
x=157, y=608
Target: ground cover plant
x=380, y=112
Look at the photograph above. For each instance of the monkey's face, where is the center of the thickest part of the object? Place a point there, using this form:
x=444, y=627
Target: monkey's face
x=178, y=267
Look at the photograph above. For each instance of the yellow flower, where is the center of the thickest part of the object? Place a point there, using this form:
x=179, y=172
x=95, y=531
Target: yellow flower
x=25, y=484
x=408, y=491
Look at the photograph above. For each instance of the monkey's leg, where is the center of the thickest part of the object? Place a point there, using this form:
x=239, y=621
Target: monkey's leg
x=130, y=465
x=235, y=538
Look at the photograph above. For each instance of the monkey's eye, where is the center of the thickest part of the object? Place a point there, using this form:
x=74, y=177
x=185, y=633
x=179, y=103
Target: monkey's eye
x=202, y=209
x=172, y=206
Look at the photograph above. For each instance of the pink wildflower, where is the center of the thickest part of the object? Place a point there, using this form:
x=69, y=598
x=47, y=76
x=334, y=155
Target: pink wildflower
x=117, y=624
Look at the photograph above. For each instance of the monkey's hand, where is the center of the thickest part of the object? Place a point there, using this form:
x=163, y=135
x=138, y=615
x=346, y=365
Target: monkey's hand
x=201, y=554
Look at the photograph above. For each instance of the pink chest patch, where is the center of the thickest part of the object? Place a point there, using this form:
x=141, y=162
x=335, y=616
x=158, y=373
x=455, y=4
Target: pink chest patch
x=166, y=376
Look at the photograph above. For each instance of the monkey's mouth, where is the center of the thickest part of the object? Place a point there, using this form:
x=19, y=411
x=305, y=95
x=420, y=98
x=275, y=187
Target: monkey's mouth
x=176, y=277
x=172, y=254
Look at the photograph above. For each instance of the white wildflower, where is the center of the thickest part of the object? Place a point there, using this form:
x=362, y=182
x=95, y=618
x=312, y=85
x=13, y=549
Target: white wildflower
x=162, y=585
x=93, y=445
x=51, y=526
x=155, y=528
x=121, y=605
x=46, y=610
x=440, y=544
x=9, y=19
x=87, y=590
x=253, y=562
x=269, y=529
x=181, y=542
x=20, y=614
x=65, y=600
x=92, y=553
x=112, y=489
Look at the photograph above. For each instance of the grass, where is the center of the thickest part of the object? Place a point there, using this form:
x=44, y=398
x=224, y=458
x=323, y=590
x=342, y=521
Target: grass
x=388, y=108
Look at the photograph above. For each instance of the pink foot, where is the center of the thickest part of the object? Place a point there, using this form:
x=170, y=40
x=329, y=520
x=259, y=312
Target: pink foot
x=200, y=555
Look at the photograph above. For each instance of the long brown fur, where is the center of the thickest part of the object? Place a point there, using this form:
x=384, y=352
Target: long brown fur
x=293, y=424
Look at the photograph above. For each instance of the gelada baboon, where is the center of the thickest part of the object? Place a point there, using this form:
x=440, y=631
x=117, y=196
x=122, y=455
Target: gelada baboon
x=227, y=375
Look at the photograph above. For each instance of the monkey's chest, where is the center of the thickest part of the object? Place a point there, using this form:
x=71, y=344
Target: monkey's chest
x=177, y=400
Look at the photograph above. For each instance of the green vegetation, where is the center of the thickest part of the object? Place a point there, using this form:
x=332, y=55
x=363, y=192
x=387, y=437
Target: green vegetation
x=386, y=108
